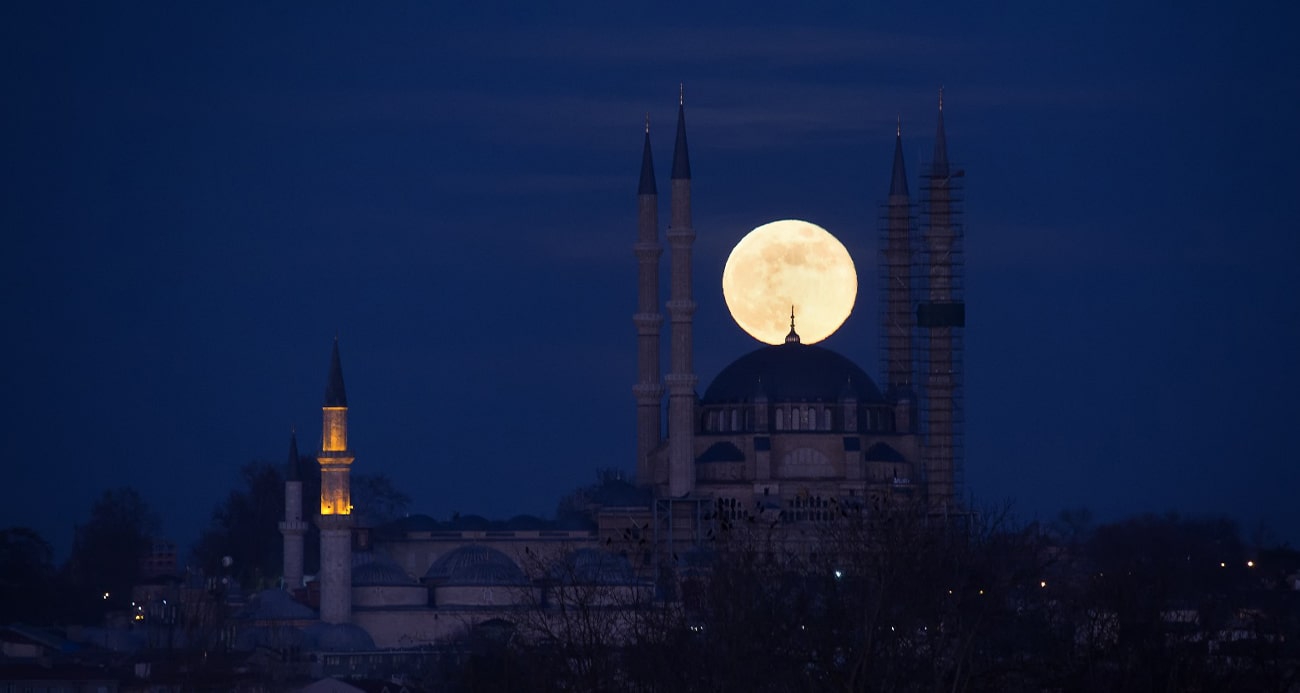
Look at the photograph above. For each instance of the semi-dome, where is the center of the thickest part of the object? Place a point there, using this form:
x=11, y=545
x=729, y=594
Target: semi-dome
x=792, y=372
x=475, y=564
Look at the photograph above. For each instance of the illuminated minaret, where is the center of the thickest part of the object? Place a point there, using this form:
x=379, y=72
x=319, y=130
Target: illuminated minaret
x=897, y=278
x=681, y=309
x=293, y=527
x=941, y=315
x=649, y=391
x=335, y=519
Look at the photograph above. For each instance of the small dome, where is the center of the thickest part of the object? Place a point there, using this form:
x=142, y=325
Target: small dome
x=883, y=452
x=336, y=637
x=527, y=523
x=273, y=637
x=724, y=451
x=792, y=372
x=475, y=564
x=618, y=493
x=380, y=572
x=471, y=523
x=275, y=605
x=594, y=567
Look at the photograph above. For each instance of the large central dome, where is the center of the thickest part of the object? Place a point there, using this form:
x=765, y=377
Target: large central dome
x=792, y=372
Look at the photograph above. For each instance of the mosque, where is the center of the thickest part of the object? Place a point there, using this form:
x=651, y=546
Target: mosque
x=784, y=433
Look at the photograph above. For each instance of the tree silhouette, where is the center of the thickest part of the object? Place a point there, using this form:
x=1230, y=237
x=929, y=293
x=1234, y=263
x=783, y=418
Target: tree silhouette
x=27, y=576
x=244, y=527
x=107, y=552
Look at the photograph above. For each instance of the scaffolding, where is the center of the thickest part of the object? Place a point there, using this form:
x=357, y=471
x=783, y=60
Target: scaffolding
x=940, y=321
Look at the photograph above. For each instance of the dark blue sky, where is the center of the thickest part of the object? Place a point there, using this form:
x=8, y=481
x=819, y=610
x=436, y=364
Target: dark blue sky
x=195, y=200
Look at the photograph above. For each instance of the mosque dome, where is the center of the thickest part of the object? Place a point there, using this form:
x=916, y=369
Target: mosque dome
x=590, y=566
x=336, y=637
x=475, y=564
x=275, y=605
x=380, y=572
x=276, y=637
x=792, y=372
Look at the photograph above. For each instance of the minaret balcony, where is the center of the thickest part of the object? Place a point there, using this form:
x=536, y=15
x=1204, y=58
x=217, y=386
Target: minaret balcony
x=293, y=526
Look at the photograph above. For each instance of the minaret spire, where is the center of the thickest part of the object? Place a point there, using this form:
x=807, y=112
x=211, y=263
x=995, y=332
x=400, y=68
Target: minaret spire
x=681, y=378
x=335, y=394
x=681, y=158
x=940, y=163
x=896, y=280
x=293, y=527
x=898, y=178
x=647, y=182
x=793, y=337
x=648, y=390
x=292, y=473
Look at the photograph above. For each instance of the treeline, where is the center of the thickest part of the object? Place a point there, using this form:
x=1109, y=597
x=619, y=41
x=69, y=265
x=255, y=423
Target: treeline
x=109, y=548
x=898, y=600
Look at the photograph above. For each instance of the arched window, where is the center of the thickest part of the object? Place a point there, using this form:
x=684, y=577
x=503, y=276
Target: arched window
x=804, y=416
x=794, y=419
x=780, y=419
x=712, y=424
x=826, y=419
x=735, y=419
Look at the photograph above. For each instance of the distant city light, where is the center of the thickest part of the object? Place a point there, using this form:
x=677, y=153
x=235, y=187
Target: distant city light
x=1250, y=564
x=106, y=595
x=1042, y=583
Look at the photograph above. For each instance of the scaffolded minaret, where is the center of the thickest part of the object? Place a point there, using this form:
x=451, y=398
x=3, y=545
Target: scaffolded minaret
x=681, y=378
x=649, y=391
x=941, y=316
x=293, y=527
x=335, y=518
x=896, y=282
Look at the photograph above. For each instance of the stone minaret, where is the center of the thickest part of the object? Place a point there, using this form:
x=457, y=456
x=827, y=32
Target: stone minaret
x=649, y=391
x=942, y=314
x=335, y=519
x=681, y=309
x=897, y=313
x=293, y=527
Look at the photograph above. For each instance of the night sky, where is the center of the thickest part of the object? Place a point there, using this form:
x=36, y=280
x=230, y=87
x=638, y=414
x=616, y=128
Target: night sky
x=198, y=197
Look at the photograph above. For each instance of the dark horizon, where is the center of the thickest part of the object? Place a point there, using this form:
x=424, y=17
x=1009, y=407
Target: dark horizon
x=202, y=198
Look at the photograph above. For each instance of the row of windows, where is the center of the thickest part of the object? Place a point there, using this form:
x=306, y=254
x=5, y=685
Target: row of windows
x=787, y=418
x=803, y=419
x=814, y=508
x=798, y=509
x=731, y=509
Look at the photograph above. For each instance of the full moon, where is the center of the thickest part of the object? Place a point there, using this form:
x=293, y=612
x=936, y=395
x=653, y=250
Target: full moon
x=789, y=263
